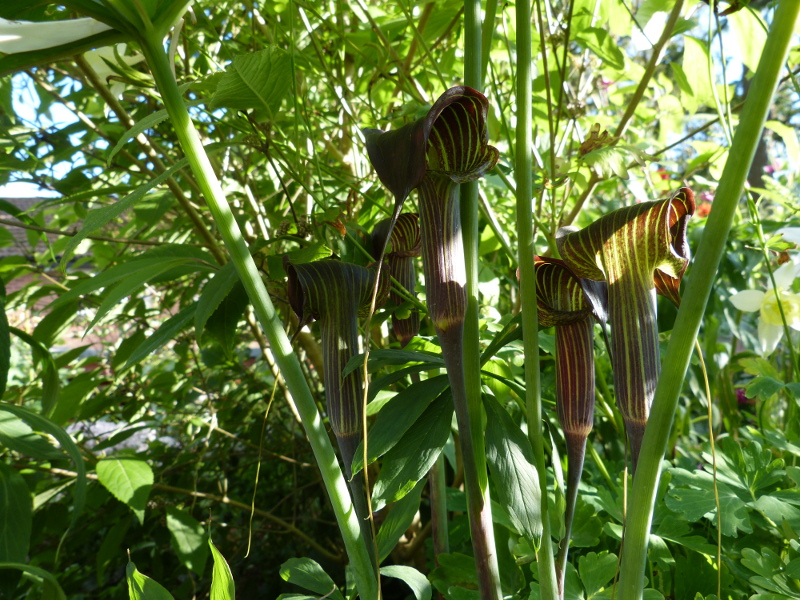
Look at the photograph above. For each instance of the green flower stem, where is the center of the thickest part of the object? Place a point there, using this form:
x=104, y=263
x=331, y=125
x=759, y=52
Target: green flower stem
x=695, y=297
x=438, y=491
x=523, y=170
x=288, y=364
x=480, y=509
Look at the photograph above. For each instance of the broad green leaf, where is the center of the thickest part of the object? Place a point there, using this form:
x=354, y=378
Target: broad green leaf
x=40, y=423
x=749, y=34
x=257, y=81
x=99, y=217
x=789, y=136
x=168, y=330
x=214, y=292
x=397, y=416
x=16, y=516
x=188, y=539
x=51, y=588
x=454, y=570
x=411, y=458
x=222, y=586
x=603, y=45
x=129, y=480
x=418, y=583
x=609, y=161
x=398, y=520
x=49, y=374
x=596, y=571
x=141, y=587
x=310, y=576
x=511, y=457
x=763, y=387
x=16, y=435
x=696, y=68
x=382, y=358
x=224, y=322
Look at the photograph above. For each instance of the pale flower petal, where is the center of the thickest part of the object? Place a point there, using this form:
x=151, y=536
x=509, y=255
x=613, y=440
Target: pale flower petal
x=24, y=36
x=748, y=300
x=785, y=275
x=791, y=234
x=769, y=336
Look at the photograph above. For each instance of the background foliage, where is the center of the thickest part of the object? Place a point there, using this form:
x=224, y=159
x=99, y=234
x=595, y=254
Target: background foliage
x=135, y=341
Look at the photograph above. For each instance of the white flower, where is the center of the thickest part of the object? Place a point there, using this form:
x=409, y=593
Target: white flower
x=770, y=324
x=24, y=36
x=97, y=60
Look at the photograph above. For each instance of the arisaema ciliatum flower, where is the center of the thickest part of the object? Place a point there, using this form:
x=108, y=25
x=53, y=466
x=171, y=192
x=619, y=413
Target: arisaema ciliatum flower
x=638, y=250
x=571, y=305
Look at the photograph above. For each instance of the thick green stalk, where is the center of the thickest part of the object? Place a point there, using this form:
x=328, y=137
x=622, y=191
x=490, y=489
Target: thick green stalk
x=523, y=170
x=695, y=297
x=288, y=364
x=473, y=77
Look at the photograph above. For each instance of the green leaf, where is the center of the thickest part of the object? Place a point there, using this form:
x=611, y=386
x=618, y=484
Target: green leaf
x=142, y=125
x=310, y=576
x=596, y=571
x=49, y=373
x=224, y=322
x=141, y=587
x=16, y=516
x=414, y=579
x=383, y=358
x=763, y=387
x=168, y=330
x=99, y=217
x=511, y=457
x=608, y=161
x=397, y=416
x=16, y=435
x=188, y=539
x=454, y=570
x=40, y=423
x=411, y=458
x=789, y=136
x=52, y=590
x=222, y=586
x=111, y=550
x=397, y=522
x=603, y=45
x=257, y=81
x=696, y=68
x=129, y=480
x=214, y=292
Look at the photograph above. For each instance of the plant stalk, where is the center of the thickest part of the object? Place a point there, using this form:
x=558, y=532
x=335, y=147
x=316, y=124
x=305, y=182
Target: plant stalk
x=363, y=571
x=523, y=170
x=695, y=298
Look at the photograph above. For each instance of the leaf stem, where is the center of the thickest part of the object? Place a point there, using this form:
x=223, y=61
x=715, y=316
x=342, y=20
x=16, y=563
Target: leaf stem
x=265, y=311
x=523, y=170
x=693, y=303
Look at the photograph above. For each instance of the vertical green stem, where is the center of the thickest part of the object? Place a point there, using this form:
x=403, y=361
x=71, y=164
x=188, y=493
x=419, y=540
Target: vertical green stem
x=471, y=342
x=437, y=491
x=523, y=170
x=265, y=311
x=693, y=303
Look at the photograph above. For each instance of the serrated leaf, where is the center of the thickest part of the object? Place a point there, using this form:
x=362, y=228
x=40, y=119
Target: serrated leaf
x=168, y=330
x=99, y=217
x=310, y=576
x=257, y=81
x=511, y=457
x=608, y=161
x=40, y=423
x=763, y=387
x=141, y=587
x=397, y=416
x=188, y=539
x=418, y=583
x=397, y=522
x=411, y=458
x=16, y=516
x=222, y=585
x=129, y=480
